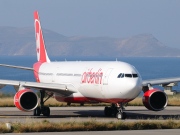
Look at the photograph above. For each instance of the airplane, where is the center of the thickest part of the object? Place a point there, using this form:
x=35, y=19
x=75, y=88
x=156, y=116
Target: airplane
x=82, y=82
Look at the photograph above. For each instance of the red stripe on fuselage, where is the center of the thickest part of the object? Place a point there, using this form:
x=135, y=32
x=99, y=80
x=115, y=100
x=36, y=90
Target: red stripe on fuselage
x=90, y=100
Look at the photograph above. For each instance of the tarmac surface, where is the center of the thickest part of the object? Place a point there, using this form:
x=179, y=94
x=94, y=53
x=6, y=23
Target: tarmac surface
x=67, y=114
x=127, y=132
x=71, y=114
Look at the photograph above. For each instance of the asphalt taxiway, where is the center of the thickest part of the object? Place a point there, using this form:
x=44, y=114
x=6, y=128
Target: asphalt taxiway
x=67, y=114
x=71, y=114
x=127, y=132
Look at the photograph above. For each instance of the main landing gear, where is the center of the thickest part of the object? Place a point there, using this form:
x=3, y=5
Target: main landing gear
x=42, y=109
x=115, y=110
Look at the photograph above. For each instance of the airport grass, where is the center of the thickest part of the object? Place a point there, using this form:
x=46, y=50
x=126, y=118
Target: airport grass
x=92, y=125
x=7, y=101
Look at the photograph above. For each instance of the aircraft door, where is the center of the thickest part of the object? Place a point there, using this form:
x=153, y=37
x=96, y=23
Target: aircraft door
x=106, y=76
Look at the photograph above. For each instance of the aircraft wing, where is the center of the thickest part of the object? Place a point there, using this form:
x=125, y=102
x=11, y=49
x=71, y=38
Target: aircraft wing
x=163, y=81
x=19, y=67
x=64, y=89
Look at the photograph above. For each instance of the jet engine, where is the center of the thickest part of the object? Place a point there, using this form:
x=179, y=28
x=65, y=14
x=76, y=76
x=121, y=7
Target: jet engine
x=26, y=100
x=155, y=100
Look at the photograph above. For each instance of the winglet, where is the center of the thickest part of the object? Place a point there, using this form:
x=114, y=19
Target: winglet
x=40, y=46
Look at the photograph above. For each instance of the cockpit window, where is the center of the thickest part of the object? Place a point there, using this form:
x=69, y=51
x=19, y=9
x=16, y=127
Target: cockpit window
x=135, y=75
x=128, y=75
x=122, y=75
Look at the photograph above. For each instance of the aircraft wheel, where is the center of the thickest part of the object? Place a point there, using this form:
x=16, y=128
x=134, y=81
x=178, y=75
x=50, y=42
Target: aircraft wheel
x=124, y=115
x=37, y=111
x=121, y=115
x=107, y=111
x=46, y=111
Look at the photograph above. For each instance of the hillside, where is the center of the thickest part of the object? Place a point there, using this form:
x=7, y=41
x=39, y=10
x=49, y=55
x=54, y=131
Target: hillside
x=21, y=41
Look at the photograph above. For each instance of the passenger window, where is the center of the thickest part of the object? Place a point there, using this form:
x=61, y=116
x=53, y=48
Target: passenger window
x=128, y=75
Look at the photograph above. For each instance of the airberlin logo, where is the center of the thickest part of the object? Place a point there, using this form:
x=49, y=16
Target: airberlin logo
x=92, y=77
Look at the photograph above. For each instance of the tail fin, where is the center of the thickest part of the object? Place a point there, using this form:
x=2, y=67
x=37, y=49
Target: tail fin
x=40, y=46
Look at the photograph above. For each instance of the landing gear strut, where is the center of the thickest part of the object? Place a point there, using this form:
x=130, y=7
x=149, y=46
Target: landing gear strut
x=120, y=114
x=42, y=109
x=115, y=110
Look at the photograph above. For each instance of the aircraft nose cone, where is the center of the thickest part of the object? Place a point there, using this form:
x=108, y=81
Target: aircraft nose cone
x=134, y=87
x=133, y=84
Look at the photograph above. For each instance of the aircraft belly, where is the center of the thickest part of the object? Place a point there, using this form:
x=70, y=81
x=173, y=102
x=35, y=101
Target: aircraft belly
x=73, y=98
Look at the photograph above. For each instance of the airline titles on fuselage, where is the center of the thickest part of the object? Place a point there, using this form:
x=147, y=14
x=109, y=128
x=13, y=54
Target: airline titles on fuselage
x=92, y=77
x=89, y=77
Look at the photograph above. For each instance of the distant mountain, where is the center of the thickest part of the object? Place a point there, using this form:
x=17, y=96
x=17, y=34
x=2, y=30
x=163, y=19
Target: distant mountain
x=21, y=41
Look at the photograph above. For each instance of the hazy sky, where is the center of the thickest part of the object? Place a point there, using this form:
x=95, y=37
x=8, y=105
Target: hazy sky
x=112, y=18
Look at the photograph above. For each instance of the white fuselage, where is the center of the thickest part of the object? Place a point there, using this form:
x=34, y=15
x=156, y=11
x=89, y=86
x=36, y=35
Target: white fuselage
x=94, y=81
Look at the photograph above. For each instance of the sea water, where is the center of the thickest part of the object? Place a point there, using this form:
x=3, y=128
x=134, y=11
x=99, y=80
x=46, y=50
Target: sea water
x=148, y=67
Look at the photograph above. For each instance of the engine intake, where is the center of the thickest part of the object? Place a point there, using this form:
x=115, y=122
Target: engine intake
x=155, y=100
x=26, y=100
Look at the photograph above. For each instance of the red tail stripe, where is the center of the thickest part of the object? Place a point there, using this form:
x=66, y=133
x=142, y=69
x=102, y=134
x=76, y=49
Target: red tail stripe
x=39, y=38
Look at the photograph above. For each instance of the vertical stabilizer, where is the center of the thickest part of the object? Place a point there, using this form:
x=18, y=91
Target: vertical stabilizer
x=40, y=46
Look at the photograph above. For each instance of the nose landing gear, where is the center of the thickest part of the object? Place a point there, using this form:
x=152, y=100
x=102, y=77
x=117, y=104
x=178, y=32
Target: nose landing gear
x=120, y=114
x=115, y=110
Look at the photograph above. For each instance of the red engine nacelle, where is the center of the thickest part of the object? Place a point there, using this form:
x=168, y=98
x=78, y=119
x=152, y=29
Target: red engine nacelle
x=26, y=100
x=155, y=100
